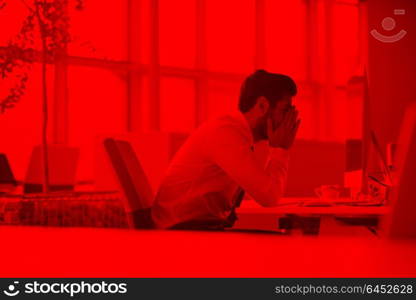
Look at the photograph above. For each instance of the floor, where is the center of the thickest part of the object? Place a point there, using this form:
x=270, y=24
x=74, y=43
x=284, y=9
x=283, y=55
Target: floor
x=89, y=252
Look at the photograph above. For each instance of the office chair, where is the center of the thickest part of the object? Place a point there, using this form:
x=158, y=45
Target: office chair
x=133, y=182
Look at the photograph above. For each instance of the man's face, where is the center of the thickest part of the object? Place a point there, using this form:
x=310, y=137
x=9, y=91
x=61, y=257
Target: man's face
x=276, y=113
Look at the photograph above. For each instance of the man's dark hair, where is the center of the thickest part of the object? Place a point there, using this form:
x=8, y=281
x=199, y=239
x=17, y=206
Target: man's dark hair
x=262, y=83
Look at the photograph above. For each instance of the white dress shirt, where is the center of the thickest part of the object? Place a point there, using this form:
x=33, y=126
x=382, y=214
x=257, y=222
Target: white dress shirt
x=206, y=172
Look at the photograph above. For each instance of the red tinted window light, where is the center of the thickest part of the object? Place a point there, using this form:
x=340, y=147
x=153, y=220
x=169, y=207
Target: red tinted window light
x=306, y=102
x=286, y=37
x=222, y=97
x=144, y=100
x=144, y=31
x=96, y=107
x=177, y=104
x=230, y=35
x=345, y=39
x=337, y=106
x=177, y=33
x=99, y=30
x=11, y=17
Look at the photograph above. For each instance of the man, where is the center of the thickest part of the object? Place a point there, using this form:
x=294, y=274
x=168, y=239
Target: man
x=205, y=180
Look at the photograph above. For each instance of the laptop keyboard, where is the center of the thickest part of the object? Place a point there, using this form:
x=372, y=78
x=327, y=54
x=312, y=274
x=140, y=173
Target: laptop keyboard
x=86, y=209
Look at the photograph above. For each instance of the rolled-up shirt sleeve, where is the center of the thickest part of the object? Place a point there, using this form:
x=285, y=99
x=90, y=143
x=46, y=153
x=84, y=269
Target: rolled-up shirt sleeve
x=230, y=149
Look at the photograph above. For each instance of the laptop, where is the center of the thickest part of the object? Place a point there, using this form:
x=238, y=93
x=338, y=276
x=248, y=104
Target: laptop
x=63, y=161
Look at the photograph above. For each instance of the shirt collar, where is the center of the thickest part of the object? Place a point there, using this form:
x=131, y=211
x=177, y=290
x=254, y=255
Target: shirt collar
x=239, y=116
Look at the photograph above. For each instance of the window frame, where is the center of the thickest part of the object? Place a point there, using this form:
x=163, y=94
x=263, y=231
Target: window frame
x=133, y=71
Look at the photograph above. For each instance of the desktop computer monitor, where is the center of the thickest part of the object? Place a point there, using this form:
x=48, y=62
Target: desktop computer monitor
x=401, y=222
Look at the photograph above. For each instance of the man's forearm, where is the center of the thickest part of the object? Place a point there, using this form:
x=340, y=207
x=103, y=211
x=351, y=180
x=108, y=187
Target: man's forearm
x=276, y=168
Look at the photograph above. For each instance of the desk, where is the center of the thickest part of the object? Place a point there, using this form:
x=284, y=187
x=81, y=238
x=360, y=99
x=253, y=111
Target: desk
x=88, y=252
x=290, y=206
x=252, y=215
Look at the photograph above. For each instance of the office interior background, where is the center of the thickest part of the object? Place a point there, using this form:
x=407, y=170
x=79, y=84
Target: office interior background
x=139, y=67
x=151, y=71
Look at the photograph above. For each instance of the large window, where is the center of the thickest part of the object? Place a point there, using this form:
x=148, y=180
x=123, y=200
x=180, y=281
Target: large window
x=100, y=30
x=138, y=65
x=96, y=108
x=215, y=44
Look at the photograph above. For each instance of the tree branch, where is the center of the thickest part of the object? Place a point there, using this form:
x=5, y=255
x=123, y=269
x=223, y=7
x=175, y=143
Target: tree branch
x=27, y=5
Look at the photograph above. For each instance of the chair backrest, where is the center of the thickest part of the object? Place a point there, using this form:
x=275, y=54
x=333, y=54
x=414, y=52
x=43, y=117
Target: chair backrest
x=133, y=182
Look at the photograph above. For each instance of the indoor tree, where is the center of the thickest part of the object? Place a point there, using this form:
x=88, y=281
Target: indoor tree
x=47, y=22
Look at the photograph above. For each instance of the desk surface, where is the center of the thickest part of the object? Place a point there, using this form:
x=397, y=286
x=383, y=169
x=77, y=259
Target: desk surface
x=291, y=206
x=87, y=252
